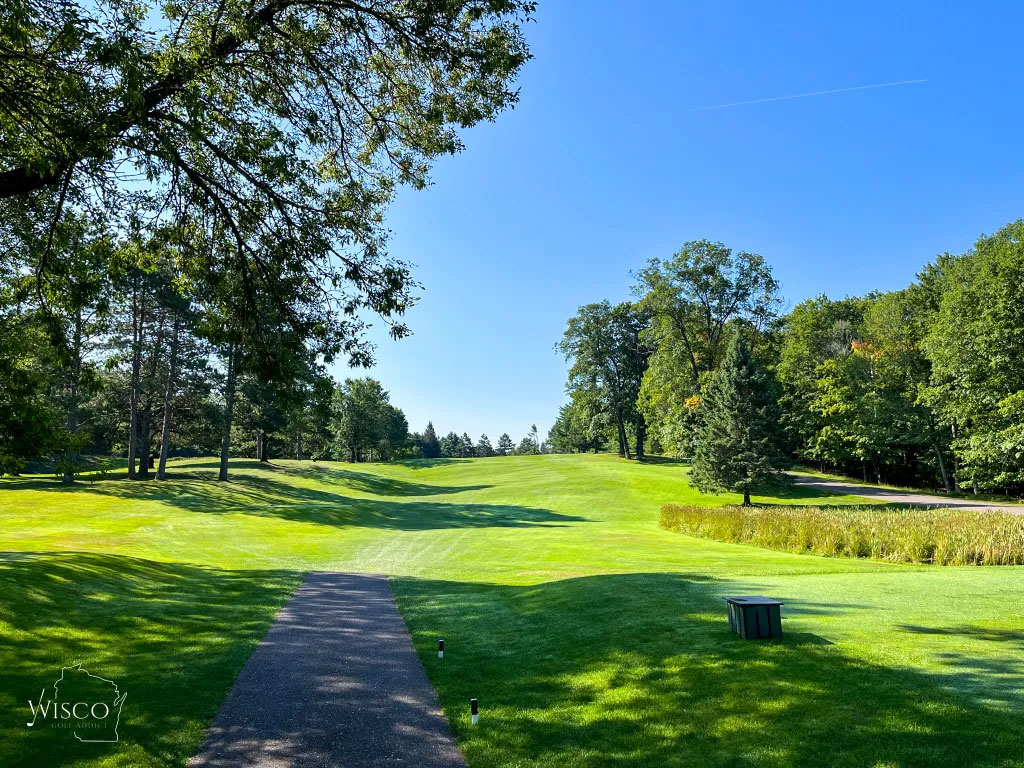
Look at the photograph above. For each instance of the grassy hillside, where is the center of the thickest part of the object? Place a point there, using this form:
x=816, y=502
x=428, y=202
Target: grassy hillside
x=590, y=635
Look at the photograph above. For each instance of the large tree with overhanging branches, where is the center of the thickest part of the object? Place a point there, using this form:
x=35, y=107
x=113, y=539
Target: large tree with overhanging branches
x=278, y=129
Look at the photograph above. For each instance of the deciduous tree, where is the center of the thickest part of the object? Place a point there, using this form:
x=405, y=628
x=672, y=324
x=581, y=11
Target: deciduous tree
x=697, y=299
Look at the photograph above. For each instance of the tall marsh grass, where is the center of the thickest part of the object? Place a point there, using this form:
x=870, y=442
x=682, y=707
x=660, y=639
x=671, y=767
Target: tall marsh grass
x=937, y=536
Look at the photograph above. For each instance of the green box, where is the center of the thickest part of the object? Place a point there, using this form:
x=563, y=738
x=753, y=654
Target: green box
x=754, y=617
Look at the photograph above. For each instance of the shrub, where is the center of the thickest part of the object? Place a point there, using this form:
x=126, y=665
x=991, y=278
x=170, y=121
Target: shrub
x=937, y=536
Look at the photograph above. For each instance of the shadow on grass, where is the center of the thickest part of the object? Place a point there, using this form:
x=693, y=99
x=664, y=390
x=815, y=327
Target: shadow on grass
x=267, y=490
x=1012, y=636
x=667, y=460
x=1000, y=678
x=172, y=636
x=796, y=607
x=366, y=482
x=426, y=463
x=641, y=669
x=790, y=491
x=334, y=474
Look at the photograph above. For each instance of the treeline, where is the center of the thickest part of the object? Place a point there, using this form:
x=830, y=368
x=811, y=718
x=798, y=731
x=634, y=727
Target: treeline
x=455, y=446
x=130, y=367
x=921, y=386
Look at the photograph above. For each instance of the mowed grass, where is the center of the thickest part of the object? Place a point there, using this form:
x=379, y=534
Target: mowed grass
x=591, y=636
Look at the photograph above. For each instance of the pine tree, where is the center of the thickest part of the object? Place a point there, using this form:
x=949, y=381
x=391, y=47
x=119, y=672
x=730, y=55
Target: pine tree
x=737, y=447
x=431, y=446
x=467, y=446
x=483, y=446
x=451, y=446
x=505, y=445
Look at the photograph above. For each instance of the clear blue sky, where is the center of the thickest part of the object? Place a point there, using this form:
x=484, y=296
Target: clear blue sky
x=608, y=160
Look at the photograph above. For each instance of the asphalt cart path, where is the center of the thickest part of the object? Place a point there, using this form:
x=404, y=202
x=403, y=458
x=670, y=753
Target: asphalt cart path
x=893, y=496
x=335, y=682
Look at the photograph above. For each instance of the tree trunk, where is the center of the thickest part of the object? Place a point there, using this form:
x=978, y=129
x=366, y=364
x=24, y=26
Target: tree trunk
x=72, y=421
x=298, y=445
x=165, y=432
x=145, y=461
x=229, y=412
x=942, y=468
x=746, y=498
x=133, y=420
x=261, y=445
x=641, y=435
x=623, y=441
x=146, y=455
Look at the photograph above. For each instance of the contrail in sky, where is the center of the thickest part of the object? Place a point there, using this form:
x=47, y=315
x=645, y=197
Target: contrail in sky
x=805, y=95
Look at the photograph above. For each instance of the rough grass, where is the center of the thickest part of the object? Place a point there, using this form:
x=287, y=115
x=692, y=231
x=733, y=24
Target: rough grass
x=933, y=536
x=592, y=637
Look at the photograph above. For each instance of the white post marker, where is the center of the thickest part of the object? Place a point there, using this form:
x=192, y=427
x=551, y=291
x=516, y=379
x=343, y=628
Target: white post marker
x=474, y=710
x=440, y=649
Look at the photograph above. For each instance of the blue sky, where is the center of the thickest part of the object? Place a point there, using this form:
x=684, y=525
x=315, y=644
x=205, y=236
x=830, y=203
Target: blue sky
x=610, y=159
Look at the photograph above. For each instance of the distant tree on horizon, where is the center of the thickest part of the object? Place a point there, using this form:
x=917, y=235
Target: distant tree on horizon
x=431, y=445
x=483, y=446
x=367, y=426
x=573, y=430
x=607, y=348
x=505, y=445
x=451, y=446
x=530, y=444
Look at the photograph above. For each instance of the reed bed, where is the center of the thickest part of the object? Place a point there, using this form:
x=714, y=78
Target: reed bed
x=908, y=535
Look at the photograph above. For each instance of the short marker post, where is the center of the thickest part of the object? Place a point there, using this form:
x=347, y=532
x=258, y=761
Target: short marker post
x=440, y=649
x=474, y=710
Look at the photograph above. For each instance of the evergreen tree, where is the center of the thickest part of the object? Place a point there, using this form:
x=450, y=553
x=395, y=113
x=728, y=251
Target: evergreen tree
x=505, y=445
x=366, y=422
x=431, y=445
x=574, y=430
x=738, y=443
x=467, y=450
x=451, y=446
x=530, y=444
x=29, y=419
x=483, y=446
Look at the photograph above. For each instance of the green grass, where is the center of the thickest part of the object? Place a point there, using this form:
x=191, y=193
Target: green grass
x=591, y=636
x=901, y=535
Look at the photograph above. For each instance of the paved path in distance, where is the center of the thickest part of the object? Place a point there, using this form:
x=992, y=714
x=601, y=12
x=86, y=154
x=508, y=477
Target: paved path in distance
x=335, y=682
x=892, y=496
